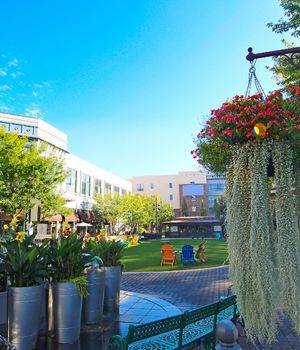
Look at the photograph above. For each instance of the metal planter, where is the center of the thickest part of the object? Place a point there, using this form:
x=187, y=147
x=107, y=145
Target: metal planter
x=24, y=309
x=3, y=311
x=67, y=306
x=112, y=288
x=92, y=308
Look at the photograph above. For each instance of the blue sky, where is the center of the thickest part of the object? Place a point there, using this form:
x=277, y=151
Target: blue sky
x=131, y=81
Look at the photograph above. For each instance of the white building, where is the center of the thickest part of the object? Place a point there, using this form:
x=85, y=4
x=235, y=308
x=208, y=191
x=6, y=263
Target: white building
x=84, y=180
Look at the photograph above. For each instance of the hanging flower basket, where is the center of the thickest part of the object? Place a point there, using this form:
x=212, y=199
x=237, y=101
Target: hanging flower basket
x=251, y=139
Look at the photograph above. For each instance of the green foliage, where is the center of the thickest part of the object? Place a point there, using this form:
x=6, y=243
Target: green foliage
x=286, y=73
x=292, y=18
x=264, y=263
x=287, y=232
x=219, y=207
x=24, y=262
x=110, y=252
x=214, y=155
x=135, y=211
x=81, y=283
x=203, y=211
x=68, y=260
x=131, y=211
x=184, y=208
x=29, y=175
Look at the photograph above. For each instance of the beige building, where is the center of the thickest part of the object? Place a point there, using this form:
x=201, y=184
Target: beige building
x=173, y=188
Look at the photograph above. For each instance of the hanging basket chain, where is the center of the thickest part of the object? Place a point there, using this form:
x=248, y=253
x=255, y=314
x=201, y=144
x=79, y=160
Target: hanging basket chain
x=253, y=77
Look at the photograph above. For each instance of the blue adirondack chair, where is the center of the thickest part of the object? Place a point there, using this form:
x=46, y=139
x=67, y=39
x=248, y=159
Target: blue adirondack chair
x=187, y=255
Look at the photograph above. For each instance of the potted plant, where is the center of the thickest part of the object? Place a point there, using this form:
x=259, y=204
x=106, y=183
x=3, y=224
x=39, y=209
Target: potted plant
x=243, y=138
x=25, y=265
x=111, y=252
x=3, y=301
x=92, y=308
x=69, y=285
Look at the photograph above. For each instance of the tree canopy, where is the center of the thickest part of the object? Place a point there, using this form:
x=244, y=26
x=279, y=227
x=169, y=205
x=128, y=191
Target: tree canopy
x=29, y=175
x=286, y=73
x=132, y=212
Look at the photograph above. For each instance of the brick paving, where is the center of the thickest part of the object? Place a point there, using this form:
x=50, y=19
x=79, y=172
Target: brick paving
x=193, y=288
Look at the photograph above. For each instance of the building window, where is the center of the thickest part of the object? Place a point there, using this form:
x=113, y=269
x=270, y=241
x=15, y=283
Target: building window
x=170, y=185
x=85, y=184
x=152, y=186
x=71, y=180
x=98, y=186
x=194, y=209
x=117, y=189
x=192, y=182
x=140, y=187
x=216, y=187
x=171, y=197
x=107, y=188
x=123, y=192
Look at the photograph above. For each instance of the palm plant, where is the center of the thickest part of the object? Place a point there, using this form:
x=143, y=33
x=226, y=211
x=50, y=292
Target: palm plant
x=68, y=260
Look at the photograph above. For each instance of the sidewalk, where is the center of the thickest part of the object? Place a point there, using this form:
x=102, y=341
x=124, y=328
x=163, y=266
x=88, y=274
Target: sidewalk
x=191, y=289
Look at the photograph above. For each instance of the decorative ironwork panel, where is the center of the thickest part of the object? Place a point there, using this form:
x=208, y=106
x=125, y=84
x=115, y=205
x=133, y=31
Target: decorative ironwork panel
x=155, y=328
x=202, y=313
x=226, y=302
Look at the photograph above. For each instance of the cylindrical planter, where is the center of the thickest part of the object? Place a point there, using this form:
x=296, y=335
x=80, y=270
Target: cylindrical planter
x=67, y=306
x=3, y=311
x=92, y=308
x=112, y=288
x=24, y=310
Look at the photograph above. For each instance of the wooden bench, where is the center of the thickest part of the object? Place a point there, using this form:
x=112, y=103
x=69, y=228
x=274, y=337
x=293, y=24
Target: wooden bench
x=188, y=329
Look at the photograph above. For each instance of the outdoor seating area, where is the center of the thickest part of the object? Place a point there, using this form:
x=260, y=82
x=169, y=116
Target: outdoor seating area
x=187, y=254
x=188, y=329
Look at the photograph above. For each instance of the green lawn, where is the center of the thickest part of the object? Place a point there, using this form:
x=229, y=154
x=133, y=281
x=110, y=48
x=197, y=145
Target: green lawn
x=147, y=255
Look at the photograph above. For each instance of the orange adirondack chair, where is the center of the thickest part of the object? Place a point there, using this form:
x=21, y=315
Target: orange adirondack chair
x=168, y=255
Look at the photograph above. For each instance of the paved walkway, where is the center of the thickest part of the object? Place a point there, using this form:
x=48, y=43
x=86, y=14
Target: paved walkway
x=193, y=288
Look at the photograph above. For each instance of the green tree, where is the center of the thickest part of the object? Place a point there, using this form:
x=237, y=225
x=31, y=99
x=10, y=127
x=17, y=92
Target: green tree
x=184, y=208
x=203, y=211
x=136, y=211
x=286, y=73
x=109, y=208
x=165, y=213
x=29, y=176
x=219, y=208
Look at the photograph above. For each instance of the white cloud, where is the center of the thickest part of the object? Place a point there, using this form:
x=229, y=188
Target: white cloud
x=34, y=111
x=2, y=72
x=3, y=108
x=13, y=63
x=16, y=74
x=4, y=87
x=42, y=85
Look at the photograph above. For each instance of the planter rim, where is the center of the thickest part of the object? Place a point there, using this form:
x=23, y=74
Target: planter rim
x=63, y=283
x=37, y=286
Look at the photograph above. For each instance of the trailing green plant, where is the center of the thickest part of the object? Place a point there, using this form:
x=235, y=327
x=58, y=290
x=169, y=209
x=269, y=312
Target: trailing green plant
x=81, y=283
x=68, y=259
x=287, y=231
x=246, y=137
x=110, y=252
x=22, y=261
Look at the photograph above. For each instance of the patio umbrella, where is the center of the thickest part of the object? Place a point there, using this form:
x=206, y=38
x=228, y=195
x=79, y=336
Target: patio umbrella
x=84, y=224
